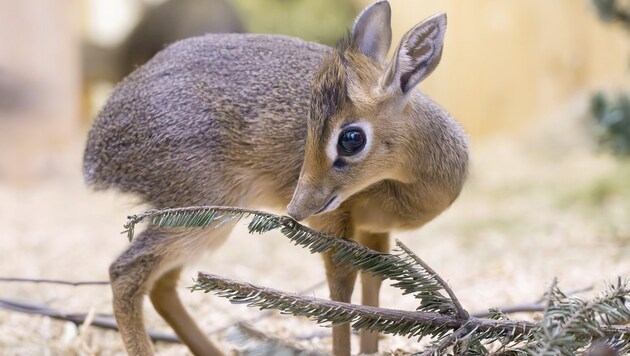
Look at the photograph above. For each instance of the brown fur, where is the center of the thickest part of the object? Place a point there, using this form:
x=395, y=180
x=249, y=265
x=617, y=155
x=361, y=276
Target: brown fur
x=237, y=119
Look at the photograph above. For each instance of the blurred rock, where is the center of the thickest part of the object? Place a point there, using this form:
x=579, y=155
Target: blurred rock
x=16, y=94
x=601, y=348
x=39, y=85
x=160, y=25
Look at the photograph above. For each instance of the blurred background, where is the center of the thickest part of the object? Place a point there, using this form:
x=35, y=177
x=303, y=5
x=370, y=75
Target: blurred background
x=507, y=66
x=538, y=85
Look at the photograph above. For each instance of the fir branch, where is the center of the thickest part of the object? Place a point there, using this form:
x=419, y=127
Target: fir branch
x=403, y=270
x=569, y=323
x=452, y=332
x=389, y=321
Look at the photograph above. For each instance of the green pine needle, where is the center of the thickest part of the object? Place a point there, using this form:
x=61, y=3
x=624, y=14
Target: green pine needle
x=571, y=324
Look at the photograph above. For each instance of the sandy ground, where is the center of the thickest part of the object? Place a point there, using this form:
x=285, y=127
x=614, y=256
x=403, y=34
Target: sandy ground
x=536, y=206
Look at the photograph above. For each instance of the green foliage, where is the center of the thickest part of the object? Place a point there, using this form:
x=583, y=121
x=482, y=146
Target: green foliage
x=612, y=115
x=569, y=325
x=307, y=19
x=613, y=10
x=613, y=122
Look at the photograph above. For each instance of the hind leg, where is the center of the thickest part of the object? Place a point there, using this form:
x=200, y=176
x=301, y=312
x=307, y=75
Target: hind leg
x=167, y=303
x=152, y=264
x=129, y=276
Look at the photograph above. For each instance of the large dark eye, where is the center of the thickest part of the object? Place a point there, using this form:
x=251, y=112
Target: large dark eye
x=351, y=141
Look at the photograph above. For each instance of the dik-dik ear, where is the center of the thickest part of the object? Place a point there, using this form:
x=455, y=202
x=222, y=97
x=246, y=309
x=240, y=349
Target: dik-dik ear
x=372, y=31
x=417, y=55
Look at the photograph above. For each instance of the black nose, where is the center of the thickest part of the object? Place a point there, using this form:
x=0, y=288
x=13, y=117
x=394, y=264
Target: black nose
x=295, y=214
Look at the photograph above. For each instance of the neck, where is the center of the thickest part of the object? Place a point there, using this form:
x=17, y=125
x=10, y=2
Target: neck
x=438, y=154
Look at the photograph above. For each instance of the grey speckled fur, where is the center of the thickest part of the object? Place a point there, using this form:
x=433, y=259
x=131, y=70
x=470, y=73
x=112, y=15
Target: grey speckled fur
x=198, y=105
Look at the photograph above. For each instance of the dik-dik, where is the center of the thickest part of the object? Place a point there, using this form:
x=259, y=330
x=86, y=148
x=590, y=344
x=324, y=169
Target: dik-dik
x=336, y=136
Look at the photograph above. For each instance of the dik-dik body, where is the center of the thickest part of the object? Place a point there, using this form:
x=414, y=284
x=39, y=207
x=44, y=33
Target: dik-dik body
x=335, y=136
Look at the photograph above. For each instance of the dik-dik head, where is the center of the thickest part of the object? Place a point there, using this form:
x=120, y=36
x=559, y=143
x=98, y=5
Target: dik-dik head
x=363, y=111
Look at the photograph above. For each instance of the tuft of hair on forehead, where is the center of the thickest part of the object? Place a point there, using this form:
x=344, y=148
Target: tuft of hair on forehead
x=329, y=90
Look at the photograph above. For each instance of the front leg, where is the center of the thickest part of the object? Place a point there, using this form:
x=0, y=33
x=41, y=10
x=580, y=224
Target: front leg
x=341, y=277
x=341, y=280
x=371, y=286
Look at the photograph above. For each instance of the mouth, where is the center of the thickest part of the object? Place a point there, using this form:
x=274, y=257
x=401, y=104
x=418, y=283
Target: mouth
x=332, y=204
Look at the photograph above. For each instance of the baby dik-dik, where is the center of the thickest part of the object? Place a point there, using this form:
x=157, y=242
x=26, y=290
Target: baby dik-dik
x=342, y=137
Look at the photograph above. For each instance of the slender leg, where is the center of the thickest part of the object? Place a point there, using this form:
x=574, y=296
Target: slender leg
x=167, y=303
x=152, y=264
x=341, y=277
x=129, y=275
x=371, y=286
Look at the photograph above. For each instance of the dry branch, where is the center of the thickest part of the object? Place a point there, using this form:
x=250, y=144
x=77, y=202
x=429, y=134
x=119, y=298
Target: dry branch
x=101, y=321
x=54, y=281
x=107, y=321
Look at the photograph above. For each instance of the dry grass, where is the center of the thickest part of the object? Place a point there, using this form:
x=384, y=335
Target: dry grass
x=538, y=206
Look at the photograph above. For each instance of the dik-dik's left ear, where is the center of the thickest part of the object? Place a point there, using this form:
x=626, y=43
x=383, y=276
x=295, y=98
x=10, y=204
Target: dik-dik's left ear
x=372, y=31
x=417, y=55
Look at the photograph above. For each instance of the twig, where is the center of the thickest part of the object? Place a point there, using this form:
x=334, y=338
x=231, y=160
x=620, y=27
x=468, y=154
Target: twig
x=107, y=321
x=78, y=318
x=461, y=312
x=519, y=308
x=448, y=341
x=54, y=281
x=536, y=306
x=258, y=342
x=83, y=329
x=569, y=293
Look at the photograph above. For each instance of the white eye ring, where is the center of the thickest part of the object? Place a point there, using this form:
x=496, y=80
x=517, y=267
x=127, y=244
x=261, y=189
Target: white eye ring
x=333, y=139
